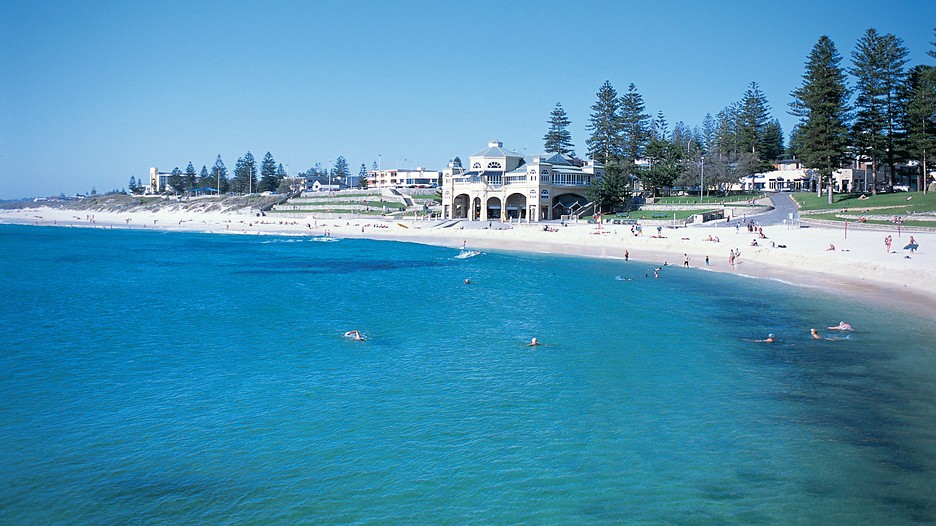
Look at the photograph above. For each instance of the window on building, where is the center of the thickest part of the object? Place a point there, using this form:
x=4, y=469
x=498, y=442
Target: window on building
x=476, y=165
x=494, y=165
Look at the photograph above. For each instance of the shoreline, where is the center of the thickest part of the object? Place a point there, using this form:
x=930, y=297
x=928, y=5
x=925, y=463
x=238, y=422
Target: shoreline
x=859, y=267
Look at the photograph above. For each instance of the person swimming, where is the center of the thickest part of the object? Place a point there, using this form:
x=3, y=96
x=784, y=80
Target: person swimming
x=842, y=326
x=533, y=343
x=354, y=335
x=815, y=334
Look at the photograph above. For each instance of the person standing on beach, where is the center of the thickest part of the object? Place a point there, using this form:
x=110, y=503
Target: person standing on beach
x=887, y=242
x=626, y=255
x=686, y=260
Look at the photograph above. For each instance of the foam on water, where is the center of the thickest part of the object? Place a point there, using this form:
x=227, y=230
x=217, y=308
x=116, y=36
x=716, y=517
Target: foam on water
x=151, y=377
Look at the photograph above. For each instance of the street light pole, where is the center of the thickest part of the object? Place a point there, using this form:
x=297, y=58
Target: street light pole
x=702, y=179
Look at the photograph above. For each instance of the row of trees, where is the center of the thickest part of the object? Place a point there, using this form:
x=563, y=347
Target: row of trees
x=272, y=176
x=891, y=121
x=742, y=138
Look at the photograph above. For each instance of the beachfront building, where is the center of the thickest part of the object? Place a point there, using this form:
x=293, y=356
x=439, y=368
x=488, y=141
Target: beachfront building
x=403, y=178
x=791, y=176
x=502, y=185
x=856, y=176
x=158, y=181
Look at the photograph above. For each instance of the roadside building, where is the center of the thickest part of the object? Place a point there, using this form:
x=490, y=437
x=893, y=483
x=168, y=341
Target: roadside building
x=403, y=178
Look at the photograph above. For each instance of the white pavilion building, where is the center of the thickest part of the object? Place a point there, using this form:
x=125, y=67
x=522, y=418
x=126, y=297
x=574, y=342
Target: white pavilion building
x=500, y=184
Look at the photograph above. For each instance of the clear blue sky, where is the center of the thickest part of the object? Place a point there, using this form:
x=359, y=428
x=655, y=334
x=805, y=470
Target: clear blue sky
x=94, y=92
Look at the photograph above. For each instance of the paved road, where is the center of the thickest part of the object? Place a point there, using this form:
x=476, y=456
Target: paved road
x=784, y=205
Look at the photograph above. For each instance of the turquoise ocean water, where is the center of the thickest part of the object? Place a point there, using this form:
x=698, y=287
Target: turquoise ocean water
x=150, y=377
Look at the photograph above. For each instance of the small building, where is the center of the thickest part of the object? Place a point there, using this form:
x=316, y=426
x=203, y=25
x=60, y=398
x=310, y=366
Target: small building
x=403, y=178
x=319, y=186
x=503, y=185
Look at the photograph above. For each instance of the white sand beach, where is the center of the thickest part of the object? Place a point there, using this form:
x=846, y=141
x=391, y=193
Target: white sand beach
x=859, y=265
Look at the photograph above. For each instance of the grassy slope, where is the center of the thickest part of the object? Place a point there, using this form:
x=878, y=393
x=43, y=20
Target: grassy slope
x=878, y=209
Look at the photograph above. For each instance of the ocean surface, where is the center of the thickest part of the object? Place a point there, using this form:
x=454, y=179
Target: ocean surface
x=164, y=378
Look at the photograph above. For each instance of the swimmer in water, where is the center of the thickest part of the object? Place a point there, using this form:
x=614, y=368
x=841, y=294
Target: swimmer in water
x=770, y=339
x=354, y=335
x=842, y=326
x=533, y=343
x=815, y=334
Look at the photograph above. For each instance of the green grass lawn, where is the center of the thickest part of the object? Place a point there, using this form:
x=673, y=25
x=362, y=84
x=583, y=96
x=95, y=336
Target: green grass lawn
x=648, y=214
x=709, y=199
x=895, y=203
x=888, y=205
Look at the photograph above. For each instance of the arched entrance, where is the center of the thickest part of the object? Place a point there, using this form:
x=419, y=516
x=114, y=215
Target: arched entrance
x=516, y=206
x=460, y=206
x=494, y=209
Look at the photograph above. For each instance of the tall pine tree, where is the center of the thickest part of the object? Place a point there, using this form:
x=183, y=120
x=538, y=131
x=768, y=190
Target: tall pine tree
x=219, y=180
x=821, y=104
x=175, y=181
x=753, y=118
x=341, y=171
x=895, y=103
x=268, y=182
x=558, y=139
x=189, y=178
x=635, y=125
x=362, y=176
x=772, y=142
x=605, y=126
x=245, y=175
x=868, y=126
